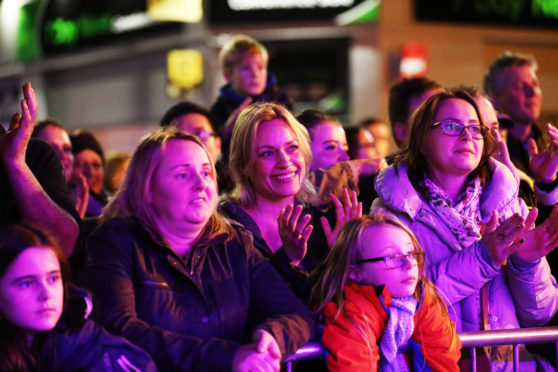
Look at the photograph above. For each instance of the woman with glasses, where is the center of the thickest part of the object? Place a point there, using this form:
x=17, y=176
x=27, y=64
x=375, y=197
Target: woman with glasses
x=377, y=304
x=482, y=252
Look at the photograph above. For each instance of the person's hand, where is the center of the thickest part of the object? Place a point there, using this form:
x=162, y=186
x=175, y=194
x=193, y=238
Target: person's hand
x=231, y=120
x=537, y=242
x=368, y=167
x=80, y=193
x=544, y=165
x=500, y=239
x=13, y=143
x=266, y=343
x=294, y=231
x=350, y=209
x=263, y=355
x=503, y=155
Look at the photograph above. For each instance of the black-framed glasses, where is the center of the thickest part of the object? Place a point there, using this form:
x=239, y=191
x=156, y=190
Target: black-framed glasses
x=455, y=128
x=396, y=261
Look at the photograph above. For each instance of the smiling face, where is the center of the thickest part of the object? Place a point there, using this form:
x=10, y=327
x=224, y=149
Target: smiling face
x=518, y=94
x=31, y=290
x=183, y=192
x=453, y=155
x=384, y=240
x=249, y=77
x=329, y=145
x=279, y=167
x=60, y=141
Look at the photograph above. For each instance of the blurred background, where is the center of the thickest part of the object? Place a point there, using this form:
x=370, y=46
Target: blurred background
x=115, y=66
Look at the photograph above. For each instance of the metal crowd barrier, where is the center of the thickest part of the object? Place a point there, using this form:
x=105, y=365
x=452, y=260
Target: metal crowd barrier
x=513, y=337
x=472, y=340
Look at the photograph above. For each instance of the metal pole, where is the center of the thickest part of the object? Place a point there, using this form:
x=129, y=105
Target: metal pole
x=473, y=359
x=516, y=358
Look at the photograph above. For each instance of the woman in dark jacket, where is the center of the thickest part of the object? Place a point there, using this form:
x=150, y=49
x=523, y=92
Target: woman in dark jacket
x=273, y=198
x=176, y=278
x=42, y=324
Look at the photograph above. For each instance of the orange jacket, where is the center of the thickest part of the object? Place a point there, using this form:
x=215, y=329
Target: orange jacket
x=352, y=339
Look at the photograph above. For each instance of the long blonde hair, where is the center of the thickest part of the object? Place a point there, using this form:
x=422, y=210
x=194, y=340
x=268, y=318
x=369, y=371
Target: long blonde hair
x=331, y=275
x=131, y=199
x=243, y=150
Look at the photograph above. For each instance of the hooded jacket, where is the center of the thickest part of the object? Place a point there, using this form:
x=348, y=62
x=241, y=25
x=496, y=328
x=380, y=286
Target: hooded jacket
x=520, y=294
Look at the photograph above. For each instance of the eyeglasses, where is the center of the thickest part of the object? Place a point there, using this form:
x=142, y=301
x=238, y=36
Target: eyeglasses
x=455, y=128
x=204, y=135
x=396, y=261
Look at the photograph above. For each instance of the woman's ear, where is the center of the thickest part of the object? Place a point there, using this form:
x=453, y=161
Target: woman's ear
x=354, y=273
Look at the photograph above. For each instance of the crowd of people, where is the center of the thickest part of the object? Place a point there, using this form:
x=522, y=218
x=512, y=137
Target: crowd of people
x=236, y=233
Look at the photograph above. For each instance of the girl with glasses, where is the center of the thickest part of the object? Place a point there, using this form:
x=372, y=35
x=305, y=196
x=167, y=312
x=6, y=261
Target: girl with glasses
x=380, y=311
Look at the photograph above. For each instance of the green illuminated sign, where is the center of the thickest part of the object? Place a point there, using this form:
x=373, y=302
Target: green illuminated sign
x=524, y=13
x=62, y=31
x=546, y=8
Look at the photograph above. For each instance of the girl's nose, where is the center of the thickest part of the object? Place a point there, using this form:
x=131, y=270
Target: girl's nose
x=409, y=261
x=44, y=292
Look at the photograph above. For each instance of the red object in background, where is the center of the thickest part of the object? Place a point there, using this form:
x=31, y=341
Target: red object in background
x=414, y=62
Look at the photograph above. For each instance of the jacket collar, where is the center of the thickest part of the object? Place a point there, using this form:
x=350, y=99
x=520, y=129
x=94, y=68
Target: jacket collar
x=397, y=192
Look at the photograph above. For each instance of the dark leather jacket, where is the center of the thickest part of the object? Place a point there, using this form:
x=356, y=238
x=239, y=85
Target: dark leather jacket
x=190, y=313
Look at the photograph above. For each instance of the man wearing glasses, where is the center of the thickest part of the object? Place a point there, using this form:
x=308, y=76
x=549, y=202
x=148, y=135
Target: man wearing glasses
x=194, y=119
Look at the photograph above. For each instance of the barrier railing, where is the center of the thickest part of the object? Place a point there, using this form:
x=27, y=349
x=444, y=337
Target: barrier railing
x=471, y=340
x=513, y=337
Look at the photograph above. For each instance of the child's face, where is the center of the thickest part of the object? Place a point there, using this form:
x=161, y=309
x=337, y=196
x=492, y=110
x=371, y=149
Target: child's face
x=381, y=241
x=31, y=291
x=249, y=77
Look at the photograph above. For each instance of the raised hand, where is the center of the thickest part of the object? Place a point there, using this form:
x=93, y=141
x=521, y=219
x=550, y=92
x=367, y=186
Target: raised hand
x=351, y=208
x=13, y=143
x=294, y=231
x=503, y=155
x=80, y=193
x=544, y=165
x=537, y=242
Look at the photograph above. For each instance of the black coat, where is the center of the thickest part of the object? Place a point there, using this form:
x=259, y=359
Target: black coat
x=190, y=313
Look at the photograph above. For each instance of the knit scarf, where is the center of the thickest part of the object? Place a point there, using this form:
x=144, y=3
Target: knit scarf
x=464, y=218
x=398, y=331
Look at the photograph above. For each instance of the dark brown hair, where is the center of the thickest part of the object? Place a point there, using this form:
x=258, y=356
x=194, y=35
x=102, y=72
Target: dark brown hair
x=421, y=122
x=15, y=355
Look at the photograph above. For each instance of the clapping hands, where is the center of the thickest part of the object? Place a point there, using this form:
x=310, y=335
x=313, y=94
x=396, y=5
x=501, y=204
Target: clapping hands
x=520, y=237
x=544, y=165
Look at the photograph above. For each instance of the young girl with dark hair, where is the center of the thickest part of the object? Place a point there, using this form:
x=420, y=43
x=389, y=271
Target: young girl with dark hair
x=380, y=312
x=40, y=328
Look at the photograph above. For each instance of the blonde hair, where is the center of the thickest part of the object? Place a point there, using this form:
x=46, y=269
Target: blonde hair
x=236, y=49
x=331, y=275
x=131, y=199
x=243, y=150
